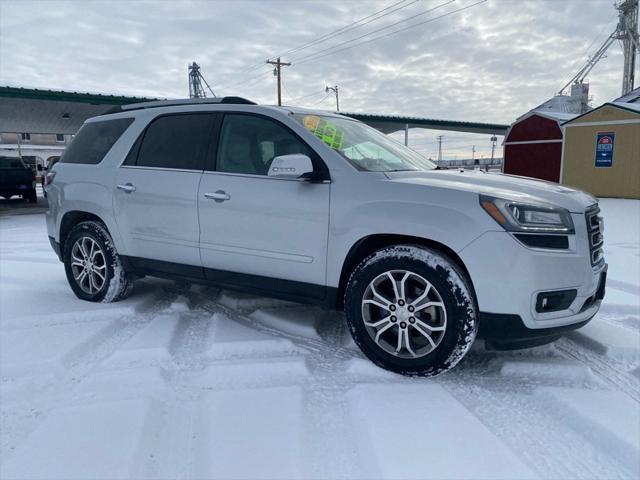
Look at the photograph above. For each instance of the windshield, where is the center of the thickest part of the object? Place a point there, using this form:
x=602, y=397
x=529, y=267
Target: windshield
x=364, y=147
x=10, y=162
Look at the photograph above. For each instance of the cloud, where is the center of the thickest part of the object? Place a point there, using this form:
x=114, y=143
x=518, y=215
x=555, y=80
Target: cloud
x=490, y=63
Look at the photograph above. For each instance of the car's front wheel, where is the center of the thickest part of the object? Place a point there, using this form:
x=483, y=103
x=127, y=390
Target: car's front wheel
x=411, y=310
x=92, y=265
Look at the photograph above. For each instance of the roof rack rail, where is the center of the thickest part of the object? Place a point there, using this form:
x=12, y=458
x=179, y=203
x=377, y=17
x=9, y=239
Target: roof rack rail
x=183, y=101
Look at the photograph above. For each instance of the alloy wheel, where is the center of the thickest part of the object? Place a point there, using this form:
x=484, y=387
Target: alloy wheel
x=404, y=314
x=88, y=265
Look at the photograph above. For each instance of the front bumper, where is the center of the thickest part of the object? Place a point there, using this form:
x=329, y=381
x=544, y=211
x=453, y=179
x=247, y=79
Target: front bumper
x=508, y=332
x=508, y=277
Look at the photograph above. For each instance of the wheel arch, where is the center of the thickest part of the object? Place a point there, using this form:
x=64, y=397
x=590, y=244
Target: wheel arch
x=71, y=219
x=372, y=243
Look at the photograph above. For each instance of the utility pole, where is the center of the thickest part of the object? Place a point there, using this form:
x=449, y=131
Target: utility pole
x=334, y=89
x=406, y=134
x=494, y=139
x=277, y=73
x=439, y=149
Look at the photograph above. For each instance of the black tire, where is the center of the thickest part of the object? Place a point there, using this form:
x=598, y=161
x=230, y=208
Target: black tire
x=117, y=284
x=32, y=197
x=452, y=286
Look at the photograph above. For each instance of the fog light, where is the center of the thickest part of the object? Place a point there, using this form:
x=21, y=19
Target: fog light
x=555, y=301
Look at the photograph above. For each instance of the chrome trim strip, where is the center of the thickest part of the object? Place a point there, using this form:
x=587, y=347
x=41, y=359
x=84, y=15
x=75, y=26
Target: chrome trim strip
x=256, y=253
x=250, y=175
x=165, y=241
x=162, y=169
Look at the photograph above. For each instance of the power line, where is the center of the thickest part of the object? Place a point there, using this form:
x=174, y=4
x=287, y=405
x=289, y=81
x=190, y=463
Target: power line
x=323, y=99
x=307, y=59
x=386, y=27
x=236, y=84
x=313, y=94
x=316, y=55
x=284, y=86
x=597, y=37
x=346, y=28
x=352, y=26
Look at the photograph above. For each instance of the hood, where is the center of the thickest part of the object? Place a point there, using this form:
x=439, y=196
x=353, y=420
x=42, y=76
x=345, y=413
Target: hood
x=510, y=187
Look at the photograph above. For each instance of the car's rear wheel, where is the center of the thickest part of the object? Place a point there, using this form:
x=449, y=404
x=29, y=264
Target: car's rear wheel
x=411, y=310
x=32, y=197
x=92, y=265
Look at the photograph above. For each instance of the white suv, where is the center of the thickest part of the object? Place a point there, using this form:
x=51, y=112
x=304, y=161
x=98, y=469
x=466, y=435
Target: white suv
x=319, y=208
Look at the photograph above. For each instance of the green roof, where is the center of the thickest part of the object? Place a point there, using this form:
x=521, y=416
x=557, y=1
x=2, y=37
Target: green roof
x=384, y=123
x=61, y=96
x=391, y=123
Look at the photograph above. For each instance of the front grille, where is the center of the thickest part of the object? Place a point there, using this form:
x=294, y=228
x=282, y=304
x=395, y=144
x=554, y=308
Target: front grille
x=594, y=232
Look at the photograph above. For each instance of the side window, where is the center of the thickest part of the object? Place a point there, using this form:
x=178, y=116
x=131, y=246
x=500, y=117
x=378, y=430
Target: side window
x=176, y=141
x=248, y=144
x=94, y=140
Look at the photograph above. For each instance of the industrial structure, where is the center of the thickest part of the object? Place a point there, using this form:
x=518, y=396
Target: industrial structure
x=626, y=32
x=196, y=79
x=534, y=144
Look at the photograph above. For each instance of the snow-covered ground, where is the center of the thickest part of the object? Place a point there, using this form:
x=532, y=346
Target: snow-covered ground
x=180, y=382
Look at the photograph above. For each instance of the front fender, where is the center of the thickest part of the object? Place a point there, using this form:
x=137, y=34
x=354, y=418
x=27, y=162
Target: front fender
x=454, y=223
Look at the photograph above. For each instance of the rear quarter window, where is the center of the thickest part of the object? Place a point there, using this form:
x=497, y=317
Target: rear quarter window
x=94, y=140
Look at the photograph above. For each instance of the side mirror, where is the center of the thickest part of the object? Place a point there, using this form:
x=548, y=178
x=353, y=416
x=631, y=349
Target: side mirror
x=39, y=167
x=291, y=166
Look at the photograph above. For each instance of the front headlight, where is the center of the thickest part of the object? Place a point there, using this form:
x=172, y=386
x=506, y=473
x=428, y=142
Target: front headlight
x=522, y=217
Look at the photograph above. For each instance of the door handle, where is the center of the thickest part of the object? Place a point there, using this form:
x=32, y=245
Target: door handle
x=127, y=187
x=219, y=196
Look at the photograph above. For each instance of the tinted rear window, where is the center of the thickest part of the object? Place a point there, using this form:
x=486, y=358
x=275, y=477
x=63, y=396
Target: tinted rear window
x=176, y=141
x=94, y=140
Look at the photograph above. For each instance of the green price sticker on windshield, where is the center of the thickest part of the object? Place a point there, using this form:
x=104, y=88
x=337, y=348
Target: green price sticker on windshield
x=326, y=131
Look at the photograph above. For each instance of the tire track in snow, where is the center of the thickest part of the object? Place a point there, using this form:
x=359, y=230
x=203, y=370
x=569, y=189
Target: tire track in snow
x=511, y=411
x=623, y=286
x=311, y=344
x=175, y=428
x=18, y=421
x=329, y=444
x=327, y=428
x=607, y=369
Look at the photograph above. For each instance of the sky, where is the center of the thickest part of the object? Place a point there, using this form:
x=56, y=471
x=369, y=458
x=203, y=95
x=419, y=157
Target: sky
x=489, y=62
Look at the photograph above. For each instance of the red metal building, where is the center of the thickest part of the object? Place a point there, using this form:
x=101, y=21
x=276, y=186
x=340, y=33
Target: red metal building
x=533, y=145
